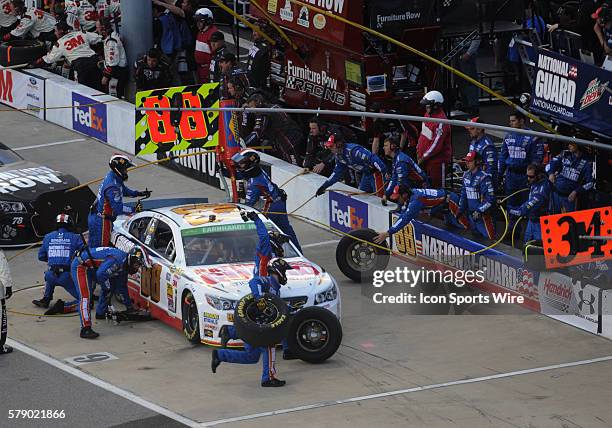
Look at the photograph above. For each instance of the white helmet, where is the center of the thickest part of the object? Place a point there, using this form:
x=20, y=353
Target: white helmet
x=431, y=98
x=204, y=13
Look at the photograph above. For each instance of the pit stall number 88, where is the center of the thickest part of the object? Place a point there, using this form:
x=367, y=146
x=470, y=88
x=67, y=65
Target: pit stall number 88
x=192, y=125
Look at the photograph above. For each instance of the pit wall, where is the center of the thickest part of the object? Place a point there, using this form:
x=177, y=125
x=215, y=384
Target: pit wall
x=421, y=244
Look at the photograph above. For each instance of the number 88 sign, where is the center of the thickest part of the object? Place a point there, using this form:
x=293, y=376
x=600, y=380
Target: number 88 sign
x=155, y=131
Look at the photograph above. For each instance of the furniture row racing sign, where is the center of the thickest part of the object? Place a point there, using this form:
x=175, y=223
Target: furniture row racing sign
x=572, y=92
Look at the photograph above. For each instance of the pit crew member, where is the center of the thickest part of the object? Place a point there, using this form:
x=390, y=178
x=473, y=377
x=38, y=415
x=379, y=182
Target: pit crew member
x=115, y=59
x=106, y=264
x=357, y=158
x=571, y=173
x=203, y=51
x=434, y=149
x=412, y=201
x=537, y=202
x=277, y=270
x=81, y=14
x=6, y=291
x=471, y=209
x=8, y=20
x=109, y=202
x=483, y=145
x=318, y=159
x=58, y=250
x=404, y=172
x=32, y=22
x=259, y=185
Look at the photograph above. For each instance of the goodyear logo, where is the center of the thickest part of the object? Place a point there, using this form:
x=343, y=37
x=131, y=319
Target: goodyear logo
x=346, y=213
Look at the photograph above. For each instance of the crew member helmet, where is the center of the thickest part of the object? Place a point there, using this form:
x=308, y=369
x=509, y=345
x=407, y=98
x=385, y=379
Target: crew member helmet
x=432, y=98
x=120, y=164
x=279, y=267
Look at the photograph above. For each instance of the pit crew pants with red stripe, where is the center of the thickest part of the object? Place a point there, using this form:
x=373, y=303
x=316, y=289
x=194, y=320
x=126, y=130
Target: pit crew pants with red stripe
x=99, y=231
x=372, y=182
x=483, y=225
x=251, y=355
x=81, y=280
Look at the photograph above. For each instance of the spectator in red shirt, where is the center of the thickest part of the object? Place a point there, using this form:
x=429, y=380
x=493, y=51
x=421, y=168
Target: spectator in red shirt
x=434, y=150
x=203, y=50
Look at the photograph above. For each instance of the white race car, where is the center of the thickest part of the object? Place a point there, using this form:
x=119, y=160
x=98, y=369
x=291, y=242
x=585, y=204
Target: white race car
x=202, y=258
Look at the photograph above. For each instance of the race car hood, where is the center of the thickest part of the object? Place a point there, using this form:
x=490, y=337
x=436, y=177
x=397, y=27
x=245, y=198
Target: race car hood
x=26, y=181
x=234, y=278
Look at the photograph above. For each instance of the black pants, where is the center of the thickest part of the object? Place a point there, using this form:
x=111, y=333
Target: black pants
x=122, y=76
x=87, y=72
x=4, y=325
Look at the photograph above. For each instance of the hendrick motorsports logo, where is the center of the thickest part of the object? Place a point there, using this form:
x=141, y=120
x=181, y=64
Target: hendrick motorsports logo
x=317, y=83
x=553, y=81
x=593, y=93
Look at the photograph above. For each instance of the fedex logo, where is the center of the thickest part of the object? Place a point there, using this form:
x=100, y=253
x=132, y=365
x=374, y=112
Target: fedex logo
x=87, y=118
x=347, y=214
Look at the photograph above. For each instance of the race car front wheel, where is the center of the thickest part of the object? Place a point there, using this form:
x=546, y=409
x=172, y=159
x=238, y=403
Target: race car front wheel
x=191, y=319
x=261, y=328
x=358, y=259
x=314, y=334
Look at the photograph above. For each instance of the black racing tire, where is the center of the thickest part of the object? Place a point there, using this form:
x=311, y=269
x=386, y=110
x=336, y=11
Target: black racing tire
x=314, y=334
x=357, y=260
x=191, y=318
x=259, y=328
x=21, y=52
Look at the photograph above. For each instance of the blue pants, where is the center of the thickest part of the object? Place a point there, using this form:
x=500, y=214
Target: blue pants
x=282, y=221
x=118, y=284
x=515, y=181
x=560, y=204
x=99, y=231
x=251, y=355
x=64, y=280
x=533, y=232
x=484, y=225
x=366, y=184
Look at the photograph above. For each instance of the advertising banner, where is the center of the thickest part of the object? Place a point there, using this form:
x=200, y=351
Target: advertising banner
x=155, y=132
x=346, y=213
x=89, y=117
x=572, y=92
x=20, y=90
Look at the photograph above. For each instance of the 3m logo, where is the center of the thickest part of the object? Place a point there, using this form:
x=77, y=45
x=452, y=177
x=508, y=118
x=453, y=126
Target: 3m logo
x=6, y=86
x=347, y=214
x=89, y=117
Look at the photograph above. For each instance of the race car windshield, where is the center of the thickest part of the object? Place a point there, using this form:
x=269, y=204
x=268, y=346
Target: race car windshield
x=8, y=156
x=232, y=246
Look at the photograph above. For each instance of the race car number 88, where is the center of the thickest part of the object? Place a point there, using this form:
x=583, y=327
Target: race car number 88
x=149, y=282
x=404, y=241
x=192, y=125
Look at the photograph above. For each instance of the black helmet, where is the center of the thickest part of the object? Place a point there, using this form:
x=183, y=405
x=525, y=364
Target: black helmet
x=19, y=6
x=277, y=240
x=135, y=260
x=63, y=220
x=279, y=267
x=120, y=164
x=247, y=162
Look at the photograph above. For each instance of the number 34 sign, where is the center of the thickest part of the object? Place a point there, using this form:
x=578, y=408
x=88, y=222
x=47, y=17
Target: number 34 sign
x=577, y=237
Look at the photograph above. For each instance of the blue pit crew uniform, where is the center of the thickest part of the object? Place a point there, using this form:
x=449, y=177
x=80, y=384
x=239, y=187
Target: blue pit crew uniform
x=477, y=197
x=109, y=267
x=488, y=152
x=106, y=208
x=517, y=152
x=261, y=186
x=535, y=206
x=420, y=199
x=361, y=160
x=405, y=172
x=574, y=173
x=58, y=249
x=250, y=355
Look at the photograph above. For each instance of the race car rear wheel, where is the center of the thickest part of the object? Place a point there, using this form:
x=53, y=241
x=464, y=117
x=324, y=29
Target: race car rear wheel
x=191, y=319
x=314, y=334
x=261, y=328
x=358, y=260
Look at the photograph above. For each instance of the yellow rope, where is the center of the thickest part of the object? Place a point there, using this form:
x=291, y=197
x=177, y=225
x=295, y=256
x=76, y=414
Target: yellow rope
x=502, y=236
x=514, y=229
x=57, y=107
x=303, y=172
x=25, y=250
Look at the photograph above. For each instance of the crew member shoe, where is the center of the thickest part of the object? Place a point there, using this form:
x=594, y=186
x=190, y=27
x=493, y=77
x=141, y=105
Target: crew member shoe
x=214, y=363
x=57, y=308
x=273, y=383
x=88, y=333
x=42, y=303
x=224, y=335
x=5, y=349
x=288, y=355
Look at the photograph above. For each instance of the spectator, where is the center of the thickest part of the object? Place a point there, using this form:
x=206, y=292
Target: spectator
x=434, y=148
x=151, y=72
x=483, y=145
x=471, y=209
x=237, y=90
x=75, y=47
x=34, y=23
x=8, y=20
x=279, y=129
x=217, y=44
x=181, y=16
x=203, y=50
x=81, y=14
x=571, y=173
x=318, y=158
x=466, y=63
x=229, y=69
x=258, y=63
x=115, y=60
x=404, y=170
x=603, y=28
x=168, y=34
x=111, y=10
x=516, y=82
